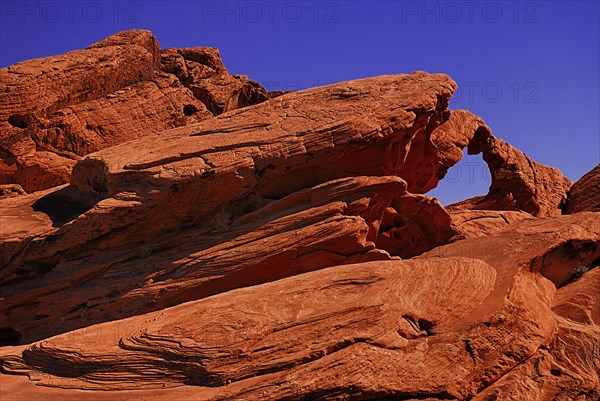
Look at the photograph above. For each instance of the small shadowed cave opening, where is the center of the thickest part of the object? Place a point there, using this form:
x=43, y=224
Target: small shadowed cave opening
x=189, y=109
x=19, y=121
x=64, y=205
x=468, y=178
x=9, y=336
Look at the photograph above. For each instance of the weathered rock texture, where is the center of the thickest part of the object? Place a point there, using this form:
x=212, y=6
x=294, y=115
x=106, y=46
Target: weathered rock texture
x=207, y=250
x=518, y=182
x=474, y=323
x=189, y=190
x=57, y=109
x=475, y=223
x=10, y=190
x=343, y=221
x=585, y=193
x=201, y=70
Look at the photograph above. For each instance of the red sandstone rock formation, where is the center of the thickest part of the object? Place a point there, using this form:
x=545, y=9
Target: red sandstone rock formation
x=518, y=183
x=201, y=70
x=585, y=193
x=280, y=251
x=475, y=223
x=116, y=90
x=471, y=321
x=205, y=179
x=9, y=190
x=340, y=222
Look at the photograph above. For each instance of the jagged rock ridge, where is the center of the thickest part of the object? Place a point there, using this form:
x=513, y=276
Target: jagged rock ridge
x=121, y=88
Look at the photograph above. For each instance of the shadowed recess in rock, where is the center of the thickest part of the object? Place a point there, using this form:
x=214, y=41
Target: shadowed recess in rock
x=64, y=205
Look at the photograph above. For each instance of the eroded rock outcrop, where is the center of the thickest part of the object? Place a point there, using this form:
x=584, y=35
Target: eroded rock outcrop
x=211, y=173
x=473, y=323
x=202, y=71
x=44, y=86
x=241, y=160
x=57, y=109
x=584, y=195
x=211, y=251
x=10, y=190
x=340, y=222
x=454, y=135
x=568, y=367
x=518, y=182
x=202, y=180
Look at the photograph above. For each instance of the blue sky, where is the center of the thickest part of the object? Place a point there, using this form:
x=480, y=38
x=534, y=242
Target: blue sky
x=528, y=68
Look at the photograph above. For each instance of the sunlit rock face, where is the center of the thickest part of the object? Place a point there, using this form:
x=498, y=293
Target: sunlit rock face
x=171, y=231
x=58, y=109
x=585, y=193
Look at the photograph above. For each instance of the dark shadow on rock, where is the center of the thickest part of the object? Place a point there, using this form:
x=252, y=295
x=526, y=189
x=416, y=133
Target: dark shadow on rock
x=64, y=205
x=9, y=336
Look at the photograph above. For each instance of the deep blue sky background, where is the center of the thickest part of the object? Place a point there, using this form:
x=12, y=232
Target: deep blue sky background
x=530, y=69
